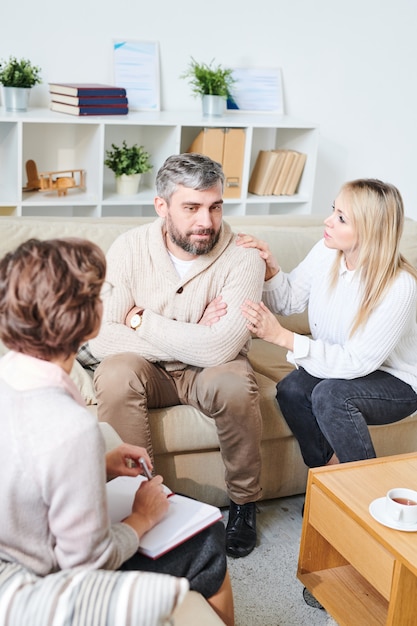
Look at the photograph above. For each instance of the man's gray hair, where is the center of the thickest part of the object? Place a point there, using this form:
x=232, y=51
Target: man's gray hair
x=192, y=170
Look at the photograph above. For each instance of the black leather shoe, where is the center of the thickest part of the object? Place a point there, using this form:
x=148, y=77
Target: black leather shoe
x=241, y=529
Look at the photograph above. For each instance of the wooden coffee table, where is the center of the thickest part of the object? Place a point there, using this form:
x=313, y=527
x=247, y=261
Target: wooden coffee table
x=362, y=572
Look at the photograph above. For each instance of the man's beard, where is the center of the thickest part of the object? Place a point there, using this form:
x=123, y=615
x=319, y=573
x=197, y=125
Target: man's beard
x=184, y=241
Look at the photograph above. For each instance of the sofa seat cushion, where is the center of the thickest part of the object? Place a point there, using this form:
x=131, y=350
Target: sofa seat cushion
x=396, y=438
x=183, y=428
x=273, y=424
x=269, y=360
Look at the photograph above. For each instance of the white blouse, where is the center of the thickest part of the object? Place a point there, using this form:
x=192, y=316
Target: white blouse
x=387, y=342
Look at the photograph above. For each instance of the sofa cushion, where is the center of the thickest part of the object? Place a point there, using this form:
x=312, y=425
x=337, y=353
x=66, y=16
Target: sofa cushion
x=273, y=424
x=102, y=231
x=182, y=428
x=297, y=323
x=408, y=241
x=269, y=360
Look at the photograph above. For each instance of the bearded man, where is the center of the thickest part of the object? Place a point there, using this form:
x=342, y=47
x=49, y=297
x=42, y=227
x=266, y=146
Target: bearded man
x=173, y=331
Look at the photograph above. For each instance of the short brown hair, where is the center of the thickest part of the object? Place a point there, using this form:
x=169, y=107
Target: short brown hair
x=50, y=296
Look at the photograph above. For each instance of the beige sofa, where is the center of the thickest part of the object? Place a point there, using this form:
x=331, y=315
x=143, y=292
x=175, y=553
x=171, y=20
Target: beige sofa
x=189, y=457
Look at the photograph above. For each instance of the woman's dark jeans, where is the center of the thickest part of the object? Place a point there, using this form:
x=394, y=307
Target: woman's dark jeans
x=332, y=415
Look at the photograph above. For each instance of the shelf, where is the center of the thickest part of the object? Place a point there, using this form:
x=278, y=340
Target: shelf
x=57, y=141
x=347, y=596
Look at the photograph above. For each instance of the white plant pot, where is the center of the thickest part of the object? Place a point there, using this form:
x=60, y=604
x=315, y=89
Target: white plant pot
x=213, y=105
x=128, y=184
x=16, y=98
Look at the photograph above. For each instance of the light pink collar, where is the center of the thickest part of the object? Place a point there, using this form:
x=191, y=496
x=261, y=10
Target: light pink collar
x=23, y=372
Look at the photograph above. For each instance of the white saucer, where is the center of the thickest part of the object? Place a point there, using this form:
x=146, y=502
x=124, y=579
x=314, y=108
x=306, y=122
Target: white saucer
x=377, y=510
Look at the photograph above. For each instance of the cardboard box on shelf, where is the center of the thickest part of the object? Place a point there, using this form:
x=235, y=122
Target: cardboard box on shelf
x=227, y=146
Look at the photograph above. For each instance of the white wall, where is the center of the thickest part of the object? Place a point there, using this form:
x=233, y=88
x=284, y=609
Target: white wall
x=348, y=66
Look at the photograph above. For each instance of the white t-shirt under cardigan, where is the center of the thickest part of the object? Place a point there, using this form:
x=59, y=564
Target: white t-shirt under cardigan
x=387, y=342
x=53, y=514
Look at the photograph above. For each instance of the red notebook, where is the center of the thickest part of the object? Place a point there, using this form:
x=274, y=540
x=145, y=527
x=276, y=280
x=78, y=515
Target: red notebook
x=89, y=100
x=185, y=518
x=114, y=109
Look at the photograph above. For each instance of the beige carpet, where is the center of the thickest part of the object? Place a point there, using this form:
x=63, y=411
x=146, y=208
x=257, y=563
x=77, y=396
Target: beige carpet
x=267, y=591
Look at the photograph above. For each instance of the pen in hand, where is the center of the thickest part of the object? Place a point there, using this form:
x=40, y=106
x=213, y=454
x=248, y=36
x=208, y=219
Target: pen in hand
x=149, y=476
x=145, y=468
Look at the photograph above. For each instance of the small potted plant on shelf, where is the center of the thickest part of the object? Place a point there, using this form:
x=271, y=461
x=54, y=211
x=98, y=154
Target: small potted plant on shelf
x=212, y=83
x=17, y=77
x=128, y=165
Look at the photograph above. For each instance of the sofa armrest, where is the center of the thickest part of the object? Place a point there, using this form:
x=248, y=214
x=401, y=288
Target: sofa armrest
x=195, y=609
x=111, y=438
x=84, y=383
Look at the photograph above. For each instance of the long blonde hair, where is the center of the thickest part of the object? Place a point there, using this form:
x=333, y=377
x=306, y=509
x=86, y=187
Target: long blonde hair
x=377, y=214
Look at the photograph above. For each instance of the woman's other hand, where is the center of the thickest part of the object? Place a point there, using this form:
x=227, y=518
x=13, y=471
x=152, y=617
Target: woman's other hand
x=264, y=324
x=124, y=461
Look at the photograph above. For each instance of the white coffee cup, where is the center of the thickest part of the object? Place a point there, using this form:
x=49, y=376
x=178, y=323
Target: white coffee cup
x=401, y=505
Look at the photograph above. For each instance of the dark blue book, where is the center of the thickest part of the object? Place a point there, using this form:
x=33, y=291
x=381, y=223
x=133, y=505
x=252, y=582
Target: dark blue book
x=89, y=100
x=89, y=110
x=86, y=89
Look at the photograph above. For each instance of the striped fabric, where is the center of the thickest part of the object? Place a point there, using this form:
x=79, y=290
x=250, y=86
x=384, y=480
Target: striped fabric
x=82, y=597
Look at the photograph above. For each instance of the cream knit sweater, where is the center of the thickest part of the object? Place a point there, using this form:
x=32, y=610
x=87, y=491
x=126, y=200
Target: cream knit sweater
x=143, y=274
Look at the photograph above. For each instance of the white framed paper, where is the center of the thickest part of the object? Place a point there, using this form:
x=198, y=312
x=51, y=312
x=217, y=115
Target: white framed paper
x=257, y=89
x=136, y=68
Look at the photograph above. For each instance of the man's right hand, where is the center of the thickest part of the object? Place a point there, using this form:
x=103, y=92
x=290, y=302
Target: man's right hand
x=213, y=312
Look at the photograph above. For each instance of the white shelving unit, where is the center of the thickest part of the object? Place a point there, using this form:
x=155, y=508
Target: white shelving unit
x=56, y=141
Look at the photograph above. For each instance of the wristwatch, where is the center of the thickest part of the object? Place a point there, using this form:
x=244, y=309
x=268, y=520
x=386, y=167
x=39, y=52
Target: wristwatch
x=136, y=320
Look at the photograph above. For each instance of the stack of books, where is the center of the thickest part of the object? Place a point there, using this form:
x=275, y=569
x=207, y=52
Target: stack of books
x=88, y=99
x=277, y=172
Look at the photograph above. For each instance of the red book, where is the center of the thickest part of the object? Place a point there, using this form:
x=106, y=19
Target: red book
x=89, y=100
x=86, y=89
x=185, y=517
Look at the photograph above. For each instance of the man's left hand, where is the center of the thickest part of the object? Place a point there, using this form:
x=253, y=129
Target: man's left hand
x=213, y=312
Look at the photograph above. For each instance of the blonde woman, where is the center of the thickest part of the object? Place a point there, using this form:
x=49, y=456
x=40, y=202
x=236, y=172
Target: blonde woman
x=360, y=365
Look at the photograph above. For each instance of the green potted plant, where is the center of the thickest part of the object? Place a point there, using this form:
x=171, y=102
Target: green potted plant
x=18, y=76
x=128, y=165
x=212, y=83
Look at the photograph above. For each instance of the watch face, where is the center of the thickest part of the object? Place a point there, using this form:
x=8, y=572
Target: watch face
x=136, y=321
